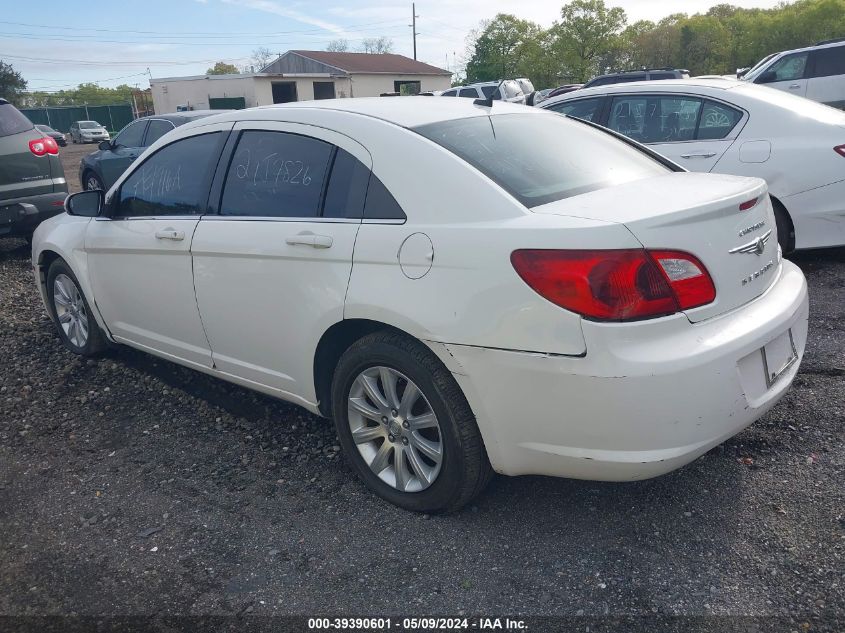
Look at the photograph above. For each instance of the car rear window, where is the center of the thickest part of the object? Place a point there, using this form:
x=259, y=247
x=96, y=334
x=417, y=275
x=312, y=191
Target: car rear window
x=539, y=159
x=12, y=121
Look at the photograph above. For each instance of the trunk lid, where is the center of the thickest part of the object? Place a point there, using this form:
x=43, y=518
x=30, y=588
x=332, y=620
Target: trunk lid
x=699, y=214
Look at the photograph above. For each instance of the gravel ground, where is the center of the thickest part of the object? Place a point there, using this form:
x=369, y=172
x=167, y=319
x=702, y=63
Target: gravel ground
x=129, y=485
x=70, y=157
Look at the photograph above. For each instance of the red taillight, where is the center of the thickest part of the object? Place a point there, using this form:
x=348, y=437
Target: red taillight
x=43, y=146
x=616, y=285
x=840, y=149
x=748, y=204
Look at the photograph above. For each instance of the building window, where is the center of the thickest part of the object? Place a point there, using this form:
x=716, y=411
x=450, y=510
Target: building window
x=406, y=87
x=324, y=90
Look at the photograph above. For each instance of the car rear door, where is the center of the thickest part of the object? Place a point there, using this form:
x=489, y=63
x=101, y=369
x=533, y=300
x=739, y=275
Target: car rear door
x=125, y=148
x=690, y=130
x=826, y=82
x=272, y=268
x=139, y=255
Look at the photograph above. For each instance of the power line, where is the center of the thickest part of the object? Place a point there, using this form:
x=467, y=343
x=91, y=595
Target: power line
x=209, y=34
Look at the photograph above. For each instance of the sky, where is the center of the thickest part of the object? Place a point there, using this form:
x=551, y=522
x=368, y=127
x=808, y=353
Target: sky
x=58, y=44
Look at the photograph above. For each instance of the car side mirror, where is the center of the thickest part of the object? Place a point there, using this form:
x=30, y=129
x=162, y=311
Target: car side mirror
x=104, y=145
x=768, y=77
x=87, y=204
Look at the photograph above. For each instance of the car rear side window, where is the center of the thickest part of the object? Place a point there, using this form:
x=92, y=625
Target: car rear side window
x=381, y=205
x=173, y=181
x=347, y=188
x=828, y=62
x=468, y=92
x=655, y=119
x=12, y=121
x=156, y=129
x=717, y=121
x=540, y=158
x=276, y=174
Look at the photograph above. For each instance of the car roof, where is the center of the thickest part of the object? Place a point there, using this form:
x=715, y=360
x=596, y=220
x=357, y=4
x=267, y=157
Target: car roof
x=408, y=112
x=665, y=85
x=183, y=117
x=812, y=47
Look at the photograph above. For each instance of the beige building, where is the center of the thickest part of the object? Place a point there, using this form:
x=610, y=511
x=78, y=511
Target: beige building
x=301, y=76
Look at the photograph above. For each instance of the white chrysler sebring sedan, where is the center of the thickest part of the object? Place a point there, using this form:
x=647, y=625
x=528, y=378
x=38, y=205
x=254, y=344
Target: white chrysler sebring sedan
x=464, y=289
x=733, y=127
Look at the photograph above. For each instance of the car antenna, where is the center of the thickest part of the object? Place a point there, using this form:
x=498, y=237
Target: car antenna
x=488, y=102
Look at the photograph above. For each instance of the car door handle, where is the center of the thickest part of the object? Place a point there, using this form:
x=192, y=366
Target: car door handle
x=699, y=155
x=170, y=234
x=310, y=239
x=794, y=86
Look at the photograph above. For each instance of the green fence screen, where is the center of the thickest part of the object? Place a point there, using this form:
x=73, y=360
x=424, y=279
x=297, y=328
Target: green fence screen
x=114, y=117
x=226, y=103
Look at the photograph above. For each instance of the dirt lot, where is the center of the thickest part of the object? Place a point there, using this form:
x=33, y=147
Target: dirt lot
x=70, y=157
x=129, y=485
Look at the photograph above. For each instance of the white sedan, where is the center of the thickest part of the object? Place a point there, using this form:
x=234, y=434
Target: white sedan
x=733, y=127
x=594, y=314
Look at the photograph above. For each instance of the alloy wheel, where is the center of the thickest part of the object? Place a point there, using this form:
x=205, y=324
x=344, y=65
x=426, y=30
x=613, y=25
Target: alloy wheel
x=395, y=429
x=70, y=310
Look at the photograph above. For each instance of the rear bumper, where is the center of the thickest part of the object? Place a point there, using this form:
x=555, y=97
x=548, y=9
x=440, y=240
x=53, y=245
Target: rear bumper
x=20, y=216
x=646, y=399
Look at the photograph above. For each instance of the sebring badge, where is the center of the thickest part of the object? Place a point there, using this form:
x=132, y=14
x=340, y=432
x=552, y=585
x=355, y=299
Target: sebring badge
x=755, y=246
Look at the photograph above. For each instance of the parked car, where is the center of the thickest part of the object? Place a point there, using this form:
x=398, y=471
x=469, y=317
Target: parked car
x=732, y=127
x=32, y=181
x=87, y=132
x=512, y=307
x=816, y=72
x=508, y=90
x=643, y=74
x=562, y=90
x=57, y=136
x=100, y=169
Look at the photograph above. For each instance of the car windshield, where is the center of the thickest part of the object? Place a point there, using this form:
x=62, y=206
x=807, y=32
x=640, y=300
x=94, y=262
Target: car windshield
x=750, y=74
x=539, y=159
x=89, y=125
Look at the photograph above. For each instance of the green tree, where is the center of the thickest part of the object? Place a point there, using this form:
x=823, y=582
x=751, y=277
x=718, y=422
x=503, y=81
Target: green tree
x=222, y=68
x=12, y=83
x=506, y=47
x=587, y=32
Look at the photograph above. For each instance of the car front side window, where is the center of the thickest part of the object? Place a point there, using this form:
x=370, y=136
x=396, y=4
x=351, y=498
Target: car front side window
x=173, y=181
x=157, y=129
x=787, y=68
x=585, y=109
x=132, y=135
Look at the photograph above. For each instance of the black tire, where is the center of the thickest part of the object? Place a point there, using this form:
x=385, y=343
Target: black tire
x=786, y=232
x=465, y=469
x=91, y=177
x=95, y=342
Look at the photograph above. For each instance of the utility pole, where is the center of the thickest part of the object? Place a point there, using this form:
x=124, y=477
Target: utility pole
x=413, y=26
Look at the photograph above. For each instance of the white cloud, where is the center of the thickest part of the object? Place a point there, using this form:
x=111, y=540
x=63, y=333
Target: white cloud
x=268, y=6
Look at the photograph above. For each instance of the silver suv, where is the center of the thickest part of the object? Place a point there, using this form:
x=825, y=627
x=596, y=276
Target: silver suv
x=816, y=72
x=509, y=91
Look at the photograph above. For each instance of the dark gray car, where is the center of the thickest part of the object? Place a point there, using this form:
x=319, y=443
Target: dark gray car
x=100, y=169
x=32, y=181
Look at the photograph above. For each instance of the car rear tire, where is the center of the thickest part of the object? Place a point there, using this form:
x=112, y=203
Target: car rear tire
x=92, y=181
x=71, y=312
x=786, y=232
x=405, y=426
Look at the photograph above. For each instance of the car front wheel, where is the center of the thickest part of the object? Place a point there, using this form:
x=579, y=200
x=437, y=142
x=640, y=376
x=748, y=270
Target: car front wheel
x=405, y=426
x=92, y=181
x=71, y=312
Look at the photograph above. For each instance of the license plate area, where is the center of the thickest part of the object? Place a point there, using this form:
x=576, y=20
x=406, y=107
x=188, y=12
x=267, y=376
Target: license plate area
x=778, y=356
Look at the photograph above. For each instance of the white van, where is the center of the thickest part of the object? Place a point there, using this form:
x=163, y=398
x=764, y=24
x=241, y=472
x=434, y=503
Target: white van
x=816, y=72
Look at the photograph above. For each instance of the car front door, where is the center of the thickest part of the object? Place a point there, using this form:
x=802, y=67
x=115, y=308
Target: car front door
x=272, y=268
x=139, y=254
x=124, y=149
x=787, y=73
x=691, y=131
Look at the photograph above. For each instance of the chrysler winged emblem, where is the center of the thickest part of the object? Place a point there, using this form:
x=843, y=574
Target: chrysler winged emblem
x=755, y=246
